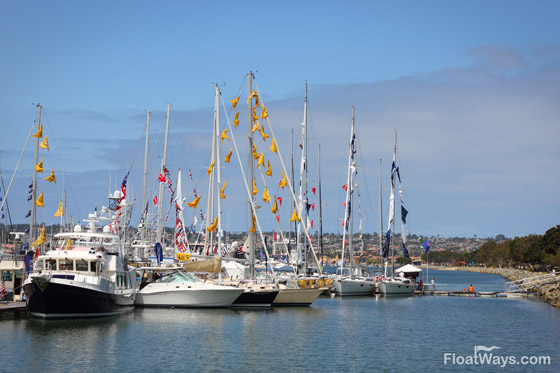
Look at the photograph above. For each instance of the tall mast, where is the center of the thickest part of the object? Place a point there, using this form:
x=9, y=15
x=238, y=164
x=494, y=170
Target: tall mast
x=143, y=233
x=380, y=215
x=163, y=165
x=393, y=182
x=251, y=237
x=219, y=180
x=34, y=190
x=350, y=201
x=320, y=232
x=302, y=252
x=348, y=208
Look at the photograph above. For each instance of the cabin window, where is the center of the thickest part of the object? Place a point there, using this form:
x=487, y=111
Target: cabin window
x=122, y=280
x=7, y=275
x=82, y=265
x=50, y=264
x=38, y=265
x=65, y=265
x=92, y=266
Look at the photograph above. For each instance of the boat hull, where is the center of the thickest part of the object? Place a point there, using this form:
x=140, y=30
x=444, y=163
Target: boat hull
x=389, y=288
x=296, y=297
x=256, y=298
x=346, y=286
x=56, y=300
x=189, y=296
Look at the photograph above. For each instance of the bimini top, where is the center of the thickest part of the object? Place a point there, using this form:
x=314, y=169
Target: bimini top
x=409, y=268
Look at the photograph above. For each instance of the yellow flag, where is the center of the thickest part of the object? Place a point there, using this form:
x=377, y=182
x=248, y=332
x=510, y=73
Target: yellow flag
x=40, y=200
x=283, y=183
x=222, y=195
x=264, y=113
x=234, y=102
x=194, y=203
x=45, y=144
x=212, y=228
x=264, y=135
x=266, y=196
x=209, y=170
x=255, y=116
x=68, y=244
x=236, y=120
x=269, y=171
x=275, y=206
x=41, y=239
x=294, y=216
x=273, y=147
x=39, y=133
x=260, y=162
x=255, y=190
x=228, y=157
x=254, y=227
x=51, y=177
x=59, y=211
x=257, y=101
x=39, y=166
x=255, y=154
x=256, y=127
x=253, y=94
x=224, y=135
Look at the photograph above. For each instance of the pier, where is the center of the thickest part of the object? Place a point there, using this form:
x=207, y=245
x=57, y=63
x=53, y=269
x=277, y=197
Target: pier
x=10, y=310
x=486, y=294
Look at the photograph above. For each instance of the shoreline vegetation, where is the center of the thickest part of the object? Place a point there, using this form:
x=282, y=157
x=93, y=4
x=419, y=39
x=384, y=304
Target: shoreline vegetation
x=549, y=292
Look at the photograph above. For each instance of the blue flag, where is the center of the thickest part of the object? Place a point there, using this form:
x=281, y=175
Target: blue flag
x=159, y=252
x=386, y=244
x=405, y=251
x=426, y=246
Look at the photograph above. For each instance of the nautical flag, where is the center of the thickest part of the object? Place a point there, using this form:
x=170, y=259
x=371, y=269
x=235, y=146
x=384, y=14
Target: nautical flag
x=254, y=227
x=40, y=201
x=194, y=203
x=313, y=190
x=42, y=238
x=234, y=102
x=39, y=166
x=275, y=206
x=426, y=246
x=266, y=196
x=123, y=185
x=269, y=170
x=201, y=215
x=51, y=177
x=45, y=144
x=228, y=157
x=404, y=212
x=263, y=134
x=29, y=197
x=264, y=113
x=224, y=135
x=255, y=154
x=28, y=259
x=59, y=211
x=255, y=190
x=255, y=116
x=278, y=218
x=273, y=147
x=405, y=251
x=209, y=170
x=161, y=178
x=155, y=200
x=283, y=183
x=312, y=206
x=3, y=291
x=28, y=214
x=190, y=174
x=345, y=187
x=236, y=120
x=222, y=195
x=39, y=133
x=194, y=192
x=251, y=95
x=280, y=200
x=159, y=252
x=275, y=237
x=260, y=162
x=385, y=251
x=294, y=216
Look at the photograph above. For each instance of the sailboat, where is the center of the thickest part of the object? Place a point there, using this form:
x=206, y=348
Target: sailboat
x=391, y=284
x=350, y=280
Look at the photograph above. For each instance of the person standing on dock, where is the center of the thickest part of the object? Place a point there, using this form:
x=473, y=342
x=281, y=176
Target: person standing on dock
x=433, y=287
x=471, y=289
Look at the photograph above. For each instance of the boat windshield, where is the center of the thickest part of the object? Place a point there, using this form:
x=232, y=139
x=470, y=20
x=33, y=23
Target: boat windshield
x=95, y=242
x=179, y=276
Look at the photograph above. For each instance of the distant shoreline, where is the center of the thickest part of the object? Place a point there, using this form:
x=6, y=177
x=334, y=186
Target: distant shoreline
x=550, y=292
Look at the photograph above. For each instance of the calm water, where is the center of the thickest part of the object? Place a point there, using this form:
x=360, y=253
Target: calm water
x=358, y=334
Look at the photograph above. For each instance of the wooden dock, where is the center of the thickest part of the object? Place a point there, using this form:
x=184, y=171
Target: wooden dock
x=486, y=294
x=11, y=310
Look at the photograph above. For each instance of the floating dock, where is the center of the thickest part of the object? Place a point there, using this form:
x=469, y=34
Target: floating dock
x=487, y=294
x=11, y=310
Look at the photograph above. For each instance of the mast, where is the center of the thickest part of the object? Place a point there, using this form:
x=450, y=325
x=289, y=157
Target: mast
x=251, y=238
x=348, y=207
x=393, y=182
x=34, y=190
x=145, y=174
x=350, y=201
x=219, y=180
x=320, y=232
x=292, y=201
x=302, y=244
x=163, y=165
x=380, y=215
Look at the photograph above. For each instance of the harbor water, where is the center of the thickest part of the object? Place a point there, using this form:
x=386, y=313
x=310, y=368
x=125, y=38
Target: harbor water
x=355, y=334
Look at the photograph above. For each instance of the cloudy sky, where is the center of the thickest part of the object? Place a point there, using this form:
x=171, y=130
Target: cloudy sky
x=472, y=89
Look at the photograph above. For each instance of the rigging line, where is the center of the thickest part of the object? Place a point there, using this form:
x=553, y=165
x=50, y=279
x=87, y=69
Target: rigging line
x=7, y=206
x=137, y=148
x=370, y=204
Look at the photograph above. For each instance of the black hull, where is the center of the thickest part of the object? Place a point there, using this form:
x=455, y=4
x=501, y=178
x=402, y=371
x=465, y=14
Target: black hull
x=62, y=301
x=256, y=299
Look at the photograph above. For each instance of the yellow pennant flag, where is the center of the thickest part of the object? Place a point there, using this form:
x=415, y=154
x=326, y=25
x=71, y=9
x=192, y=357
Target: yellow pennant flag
x=194, y=203
x=224, y=135
x=275, y=206
x=234, y=102
x=212, y=228
x=266, y=196
x=236, y=120
x=264, y=135
x=255, y=190
x=253, y=94
x=39, y=166
x=209, y=170
x=283, y=183
x=264, y=113
x=59, y=211
x=51, y=177
x=269, y=171
x=222, y=195
x=254, y=227
x=256, y=127
x=255, y=154
x=255, y=116
x=257, y=101
x=39, y=133
x=294, y=216
x=228, y=157
x=273, y=147
x=40, y=201
x=41, y=239
x=45, y=144
x=68, y=244
x=260, y=162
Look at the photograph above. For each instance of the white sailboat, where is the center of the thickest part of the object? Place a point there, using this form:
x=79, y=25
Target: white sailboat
x=349, y=280
x=392, y=284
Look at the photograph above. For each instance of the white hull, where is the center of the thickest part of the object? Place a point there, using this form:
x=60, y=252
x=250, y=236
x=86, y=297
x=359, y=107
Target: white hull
x=192, y=295
x=296, y=297
x=347, y=286
x=396, y=286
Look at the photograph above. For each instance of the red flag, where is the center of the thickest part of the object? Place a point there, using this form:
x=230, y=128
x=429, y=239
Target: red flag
x=37, y=253
x=311, y=239
x=313, y=190
x=345, y=187
x=344, y=204
x=161, y=178
x=342, y=224
x=278, y=218
x=155, y=200
x=312, y=206
x=275, y=237
x=279, y=200
x=311, y=223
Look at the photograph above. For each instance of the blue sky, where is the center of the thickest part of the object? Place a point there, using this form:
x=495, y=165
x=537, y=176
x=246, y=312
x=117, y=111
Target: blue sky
x=471, y=87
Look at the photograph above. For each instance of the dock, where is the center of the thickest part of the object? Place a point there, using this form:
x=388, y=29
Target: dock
x=12, y=310
x=486, y=294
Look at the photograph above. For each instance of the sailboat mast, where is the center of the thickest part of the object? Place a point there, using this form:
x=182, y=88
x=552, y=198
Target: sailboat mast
x=146, y=163
x=393, y=183
x=303, y=182
x=320, y=232
x=347, y=200
x=251, y=237
x=350, y=201
x=34, y=190
x=219, y=180
x=162, y=172
x=380, y=214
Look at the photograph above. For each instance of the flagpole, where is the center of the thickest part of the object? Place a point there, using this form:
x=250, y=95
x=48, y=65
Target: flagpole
x=34, y=190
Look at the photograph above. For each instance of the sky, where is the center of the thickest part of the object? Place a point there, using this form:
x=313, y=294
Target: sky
x=472, y=89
